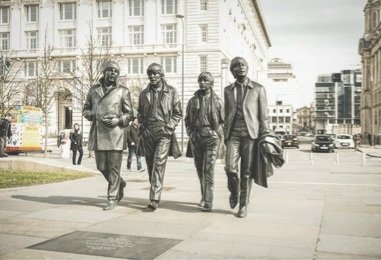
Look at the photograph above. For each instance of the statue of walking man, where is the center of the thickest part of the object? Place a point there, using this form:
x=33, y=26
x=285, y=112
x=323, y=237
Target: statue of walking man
x=246, y=119
x=159, y=112
x=204, y=124
x=108, y=106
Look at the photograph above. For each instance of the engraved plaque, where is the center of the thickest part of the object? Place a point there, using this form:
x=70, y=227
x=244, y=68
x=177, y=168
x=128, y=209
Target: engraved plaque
x=108, y=245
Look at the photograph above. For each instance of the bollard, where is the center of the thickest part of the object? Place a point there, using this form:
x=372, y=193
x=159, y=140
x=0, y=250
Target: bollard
x=337, y=158
x=363, y=158
x=286, y=157
x=311, y=158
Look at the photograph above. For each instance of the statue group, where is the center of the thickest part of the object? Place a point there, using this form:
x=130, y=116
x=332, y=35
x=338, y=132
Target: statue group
x=239, y=123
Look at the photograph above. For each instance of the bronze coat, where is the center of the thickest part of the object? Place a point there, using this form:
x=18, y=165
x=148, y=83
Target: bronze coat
x=171, y=107
x=216, y=118
x=115, y=102
x=254, y=109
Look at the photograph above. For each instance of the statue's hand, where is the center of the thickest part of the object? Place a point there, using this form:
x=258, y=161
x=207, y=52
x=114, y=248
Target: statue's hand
x=111, y=122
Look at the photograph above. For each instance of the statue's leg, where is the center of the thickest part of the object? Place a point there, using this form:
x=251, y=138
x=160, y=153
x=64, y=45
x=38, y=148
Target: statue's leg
x=231, y=168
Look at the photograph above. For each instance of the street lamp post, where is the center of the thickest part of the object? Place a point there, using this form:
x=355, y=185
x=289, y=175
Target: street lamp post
x=182, y=80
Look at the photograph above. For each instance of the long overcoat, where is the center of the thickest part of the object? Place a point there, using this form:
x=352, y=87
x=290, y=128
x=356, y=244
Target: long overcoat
x=115, y=103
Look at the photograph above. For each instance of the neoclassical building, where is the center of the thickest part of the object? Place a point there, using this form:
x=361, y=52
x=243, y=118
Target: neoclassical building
x=370, y=51
x=204, y=35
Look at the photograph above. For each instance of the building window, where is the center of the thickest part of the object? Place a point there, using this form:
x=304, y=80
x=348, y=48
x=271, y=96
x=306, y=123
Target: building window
x=287, y=110
x=4, y=14
x=67, y=38
x=4, y=41
x=169, y=33
x=135, y=65
x=105, y=9
x=203, y=63
x=274, y=119
x=31, y=40
x=274, y=111
x=30, y=68
x=66, y=66
x=31, y=13
x=280, y=110
x=204, y=32
x=288, y=119
x=104, y=36
x=68, y=11
x=136, y=34
x=204, y=5
x=168, y=6
x=169, y=64
x=136, y=7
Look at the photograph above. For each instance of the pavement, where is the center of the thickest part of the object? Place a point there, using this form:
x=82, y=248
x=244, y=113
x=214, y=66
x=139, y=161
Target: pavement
x=317, y=206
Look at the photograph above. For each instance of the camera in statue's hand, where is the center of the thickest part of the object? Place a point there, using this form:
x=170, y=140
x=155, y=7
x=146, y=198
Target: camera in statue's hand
x=110, y=120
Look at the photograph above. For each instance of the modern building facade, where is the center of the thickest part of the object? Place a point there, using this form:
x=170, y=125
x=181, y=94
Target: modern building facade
x=337, y=100
x=202, y=35
x=370, y=51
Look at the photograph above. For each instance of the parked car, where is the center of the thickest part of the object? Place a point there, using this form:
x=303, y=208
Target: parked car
x=290, y=141
x=323, y=143
x=344, y=141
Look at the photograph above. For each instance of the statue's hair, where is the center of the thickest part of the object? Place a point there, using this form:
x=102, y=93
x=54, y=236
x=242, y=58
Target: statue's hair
x=207, y=75
x=110, y=64
x=234, y=62
x=155, y=67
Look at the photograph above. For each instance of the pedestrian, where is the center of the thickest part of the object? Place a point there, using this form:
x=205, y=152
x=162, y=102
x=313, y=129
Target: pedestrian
x=108, y=106
x=356, y=141
x=246, y=119
x=5, y=133
x=159, y=112
x=132, y=142
x=76, y=144
x=204, y=123
x=370, y=139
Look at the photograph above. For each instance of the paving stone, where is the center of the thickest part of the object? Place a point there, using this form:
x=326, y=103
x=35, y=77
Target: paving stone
x=351, y=245
x=49, y=255
x=10, y=243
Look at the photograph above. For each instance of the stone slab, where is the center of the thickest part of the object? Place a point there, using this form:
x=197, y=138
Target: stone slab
x=74, y=215
x=49, y=255
x=352, y=224
x=108, y=245
x=10, y=243
x=351, y=245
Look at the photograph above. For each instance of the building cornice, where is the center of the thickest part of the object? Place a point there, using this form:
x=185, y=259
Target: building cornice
x=261, y=20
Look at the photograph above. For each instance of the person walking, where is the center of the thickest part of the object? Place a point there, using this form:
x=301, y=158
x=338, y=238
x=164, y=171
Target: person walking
x=246, y=119
x=76, y=144
x=132, y=142
x=159, y=112
x=5, y=133
x=108, y=106
x=204, y=123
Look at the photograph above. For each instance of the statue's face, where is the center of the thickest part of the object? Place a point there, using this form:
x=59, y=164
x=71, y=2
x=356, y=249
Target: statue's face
x=154, y=76
x=240, y=69
x=205, y=84
x=76, y=127
x=111, y=74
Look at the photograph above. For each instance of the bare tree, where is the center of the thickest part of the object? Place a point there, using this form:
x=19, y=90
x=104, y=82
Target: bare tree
x=11, y=88
x=89, y=68
x=44, y=89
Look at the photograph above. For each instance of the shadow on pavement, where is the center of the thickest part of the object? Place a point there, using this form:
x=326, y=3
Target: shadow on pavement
x=129, y=202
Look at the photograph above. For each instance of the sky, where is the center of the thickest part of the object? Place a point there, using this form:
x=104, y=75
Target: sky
x=316, y=37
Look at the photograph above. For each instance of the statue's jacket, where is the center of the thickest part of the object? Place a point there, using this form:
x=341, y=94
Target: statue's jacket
x=115, y=103
x=170, y=105
x=216, y=118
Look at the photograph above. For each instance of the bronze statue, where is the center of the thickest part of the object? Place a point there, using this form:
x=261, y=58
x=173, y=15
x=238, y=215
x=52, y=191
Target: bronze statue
x=246, y=119
x=159, y=112
x=108, y=106
x=204, y=124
